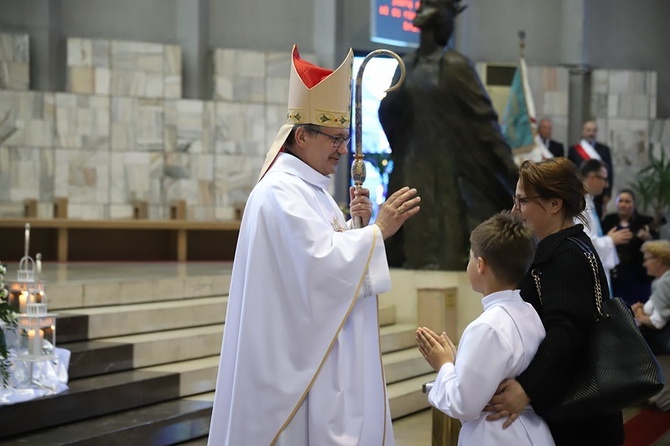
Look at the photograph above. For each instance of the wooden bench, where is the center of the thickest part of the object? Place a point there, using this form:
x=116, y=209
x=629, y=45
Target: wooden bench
x=64, y=239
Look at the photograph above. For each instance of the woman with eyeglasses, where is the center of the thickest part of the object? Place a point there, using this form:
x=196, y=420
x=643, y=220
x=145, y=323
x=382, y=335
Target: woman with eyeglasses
x=549, y=196
x=630, y=280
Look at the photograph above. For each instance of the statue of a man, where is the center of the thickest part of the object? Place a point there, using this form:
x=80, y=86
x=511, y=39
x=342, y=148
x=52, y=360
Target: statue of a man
x=446, y=142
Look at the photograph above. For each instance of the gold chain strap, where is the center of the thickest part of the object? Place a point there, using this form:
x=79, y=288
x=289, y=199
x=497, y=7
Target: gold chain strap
x=596, y=280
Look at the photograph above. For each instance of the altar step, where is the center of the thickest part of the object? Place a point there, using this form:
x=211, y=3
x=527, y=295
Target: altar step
x=143, y=372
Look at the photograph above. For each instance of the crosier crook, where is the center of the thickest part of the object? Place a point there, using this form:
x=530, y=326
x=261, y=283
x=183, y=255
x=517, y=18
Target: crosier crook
x=358, y=165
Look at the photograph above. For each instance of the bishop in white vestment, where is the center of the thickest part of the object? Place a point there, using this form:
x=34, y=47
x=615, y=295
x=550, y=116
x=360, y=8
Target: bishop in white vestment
x=301, y=360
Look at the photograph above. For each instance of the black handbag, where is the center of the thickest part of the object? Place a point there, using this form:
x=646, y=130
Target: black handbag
x=620, y=371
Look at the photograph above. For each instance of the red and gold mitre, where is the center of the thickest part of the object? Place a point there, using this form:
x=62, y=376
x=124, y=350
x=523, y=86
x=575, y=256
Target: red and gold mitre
x=316, y=95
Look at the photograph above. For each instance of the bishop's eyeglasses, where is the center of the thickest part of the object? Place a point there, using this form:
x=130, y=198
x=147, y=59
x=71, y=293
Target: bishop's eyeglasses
x=336, y=140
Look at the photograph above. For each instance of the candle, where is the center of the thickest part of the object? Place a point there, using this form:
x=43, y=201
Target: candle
x=23, y=300
x=35, y=342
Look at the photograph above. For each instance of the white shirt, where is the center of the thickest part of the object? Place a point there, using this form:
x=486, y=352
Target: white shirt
x=604, y=244
x=499, y=344
x=300, y=360
x=658, y=305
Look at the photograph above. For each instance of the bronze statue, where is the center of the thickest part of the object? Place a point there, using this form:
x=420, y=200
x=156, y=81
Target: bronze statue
x=446, y=142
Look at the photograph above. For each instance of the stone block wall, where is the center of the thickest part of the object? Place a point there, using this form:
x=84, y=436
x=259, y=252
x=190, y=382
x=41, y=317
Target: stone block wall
x=123, y=133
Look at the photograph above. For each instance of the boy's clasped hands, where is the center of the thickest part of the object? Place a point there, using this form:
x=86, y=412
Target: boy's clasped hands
x=436, y=349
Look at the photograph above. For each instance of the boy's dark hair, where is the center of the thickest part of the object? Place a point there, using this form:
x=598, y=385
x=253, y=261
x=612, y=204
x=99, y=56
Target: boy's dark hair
x=507, y=246
x=591, y=166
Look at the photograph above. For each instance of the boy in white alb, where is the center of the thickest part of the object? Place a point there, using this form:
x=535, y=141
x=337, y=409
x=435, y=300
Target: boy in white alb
x=499, y=344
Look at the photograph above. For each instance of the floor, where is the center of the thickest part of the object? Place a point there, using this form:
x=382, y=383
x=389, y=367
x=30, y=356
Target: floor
x=412, y=430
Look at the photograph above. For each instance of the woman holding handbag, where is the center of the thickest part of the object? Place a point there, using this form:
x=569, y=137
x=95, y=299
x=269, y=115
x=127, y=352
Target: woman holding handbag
x=549, y=196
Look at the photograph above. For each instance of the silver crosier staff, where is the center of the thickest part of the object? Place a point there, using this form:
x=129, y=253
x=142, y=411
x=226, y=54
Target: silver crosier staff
x=358, y=165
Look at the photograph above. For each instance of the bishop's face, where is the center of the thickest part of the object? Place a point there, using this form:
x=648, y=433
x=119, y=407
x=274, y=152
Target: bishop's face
x=322, y=149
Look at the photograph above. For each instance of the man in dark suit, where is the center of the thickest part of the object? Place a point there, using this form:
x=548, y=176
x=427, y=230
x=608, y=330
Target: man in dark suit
x=544, y=129
x=589, y=148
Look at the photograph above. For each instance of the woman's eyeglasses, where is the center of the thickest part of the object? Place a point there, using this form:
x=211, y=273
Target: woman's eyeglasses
x=522, y=201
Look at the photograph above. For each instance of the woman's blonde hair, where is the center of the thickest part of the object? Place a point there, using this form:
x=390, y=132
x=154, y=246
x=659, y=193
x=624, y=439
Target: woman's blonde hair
x=659, y=249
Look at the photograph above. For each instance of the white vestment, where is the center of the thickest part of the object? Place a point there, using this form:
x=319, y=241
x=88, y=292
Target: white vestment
x=499, y=344
x=605, y=247
x=301, y=360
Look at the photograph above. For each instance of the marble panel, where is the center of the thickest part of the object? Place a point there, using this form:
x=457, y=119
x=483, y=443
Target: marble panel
x=600, y=81
x=26, y=172
x=14, y=47
x=141, y=56
x=101, y=53
x=278, y=64
x=656, y=128
x=136, y=83
x=240, y=127
x=81, y=79
x=235, y=176
x=136, y=176
x=87, y=211
x=239, y=75
x=628, y=82
x=239, y=88
x=26, y=118
x=612, y=106
x=79, y=52
x=275, y=117
x=189, y=126
x=137, y=124
x=600, y=105
x=10, y=209
x=82, y=121
x=634, y=106
x=556, y=103
x=14, y=62
x=172, y=60
x=14, y=76
x=652, y=107
x=82, y=176
x=172, y=86
x=224, y=213
x=276, y=91
x=200, y=213
x=120, y=211
x=102, y=81
x=223, y=88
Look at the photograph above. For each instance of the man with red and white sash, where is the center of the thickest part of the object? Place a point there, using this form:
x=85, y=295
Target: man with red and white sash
x=588, y=148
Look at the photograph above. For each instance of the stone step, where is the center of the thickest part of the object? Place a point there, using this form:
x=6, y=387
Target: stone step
x=89, y=397
x=404, y=364
x=406, y=397
x=67, y=295
x=166, y=423
x=109, y=321
x=104, y=394
x=387, y=315
x=397, y=337
x=89, y=358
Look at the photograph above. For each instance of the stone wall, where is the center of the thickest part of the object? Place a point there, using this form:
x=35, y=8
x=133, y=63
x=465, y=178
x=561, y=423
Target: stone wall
x=122, y=132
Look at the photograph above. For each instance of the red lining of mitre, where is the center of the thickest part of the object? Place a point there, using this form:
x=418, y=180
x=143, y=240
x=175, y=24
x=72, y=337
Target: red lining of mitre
x=310, y=74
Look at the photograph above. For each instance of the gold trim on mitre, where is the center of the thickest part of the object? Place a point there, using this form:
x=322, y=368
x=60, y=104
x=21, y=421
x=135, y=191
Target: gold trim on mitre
x=327, y=103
